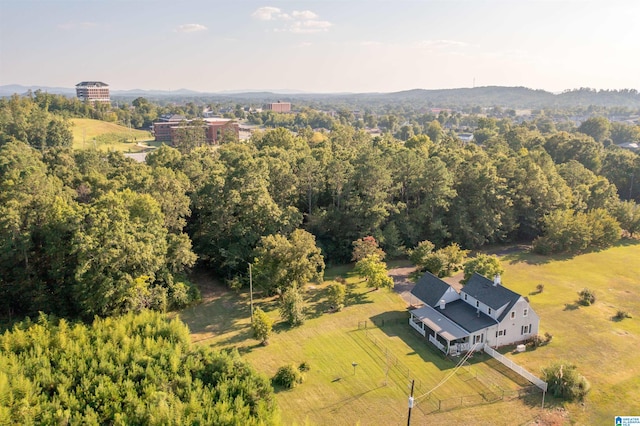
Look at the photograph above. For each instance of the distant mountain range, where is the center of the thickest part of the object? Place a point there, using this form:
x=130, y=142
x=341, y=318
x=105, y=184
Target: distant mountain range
x=506, y=97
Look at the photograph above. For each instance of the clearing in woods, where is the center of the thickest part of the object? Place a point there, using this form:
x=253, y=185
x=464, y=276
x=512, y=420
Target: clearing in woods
x=376, y=390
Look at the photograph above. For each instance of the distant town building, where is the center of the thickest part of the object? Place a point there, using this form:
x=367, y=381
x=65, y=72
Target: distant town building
x=213, y=128
x=93, y=91
x=279, y=106
x=465, y=137
x=172, y=118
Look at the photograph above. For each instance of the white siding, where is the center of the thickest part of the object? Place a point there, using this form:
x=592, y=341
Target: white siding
x=483, y=308
x=450, y=295
x=514, y=327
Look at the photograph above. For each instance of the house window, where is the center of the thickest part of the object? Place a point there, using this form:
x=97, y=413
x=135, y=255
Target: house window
x=477, y=304
x=526, y=312
x=525, y=329
x=489, y=311
x=465, y=296
x=513, y=314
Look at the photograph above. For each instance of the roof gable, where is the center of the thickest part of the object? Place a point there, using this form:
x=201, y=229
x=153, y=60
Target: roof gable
x=482, y=289
x=430, y=289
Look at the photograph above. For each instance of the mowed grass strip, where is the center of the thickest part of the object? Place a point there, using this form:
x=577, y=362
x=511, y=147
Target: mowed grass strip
x=86, y=132
x=606, y=351
x=331, y=342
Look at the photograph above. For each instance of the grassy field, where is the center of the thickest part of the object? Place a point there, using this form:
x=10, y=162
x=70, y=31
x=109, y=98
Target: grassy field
x=376, y=391
x=606, y=351
x=90, y=134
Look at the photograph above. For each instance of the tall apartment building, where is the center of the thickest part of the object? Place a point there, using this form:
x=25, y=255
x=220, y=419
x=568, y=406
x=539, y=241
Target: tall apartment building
x=93, y=91
x=279, y=106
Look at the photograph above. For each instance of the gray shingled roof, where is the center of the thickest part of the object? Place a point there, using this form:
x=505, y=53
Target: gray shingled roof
x=466, y=316
x=429, y=289
x=436, y=321
x=482, y=289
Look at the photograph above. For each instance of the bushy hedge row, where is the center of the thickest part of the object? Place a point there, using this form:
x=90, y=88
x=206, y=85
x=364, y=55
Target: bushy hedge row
x=137, y=369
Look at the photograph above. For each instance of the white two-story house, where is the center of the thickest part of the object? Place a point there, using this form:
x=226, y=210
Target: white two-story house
x=484, y=311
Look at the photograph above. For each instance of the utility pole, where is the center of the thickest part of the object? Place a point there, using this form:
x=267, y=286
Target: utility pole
x=410, y=403
x=251, y=290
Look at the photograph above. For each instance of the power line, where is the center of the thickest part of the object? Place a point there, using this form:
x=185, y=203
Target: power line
x=442, y=382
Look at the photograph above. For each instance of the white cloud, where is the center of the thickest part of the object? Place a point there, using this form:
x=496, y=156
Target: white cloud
x=303, y=44
x=298, y=21
x=190, y=28
x=305, y=14
x=268, y=13
x=310, y=26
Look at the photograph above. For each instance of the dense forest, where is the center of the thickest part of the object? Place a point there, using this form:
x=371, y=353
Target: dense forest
x=86, y=233
x=136, y=369
x=94, y=236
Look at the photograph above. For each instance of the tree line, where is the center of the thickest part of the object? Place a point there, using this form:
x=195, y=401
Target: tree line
x=86, y=233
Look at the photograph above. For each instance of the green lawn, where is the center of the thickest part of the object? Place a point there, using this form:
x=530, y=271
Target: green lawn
x=331, y=342
x=96, y=134
x=607, y=352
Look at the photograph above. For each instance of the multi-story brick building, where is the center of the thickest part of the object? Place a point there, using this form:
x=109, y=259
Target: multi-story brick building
x=93, y=91
x=279, y=106
x=212, y=128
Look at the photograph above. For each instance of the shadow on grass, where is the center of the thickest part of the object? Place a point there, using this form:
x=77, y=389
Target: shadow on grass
x=357, y=296
x=504, y=370
x=626, y=242
x=317, y=303
x=534, y=399
x=334, y=271
x=243, y=350
x=396, y=324
x=537, y=259
x=571, y=306
x=335, y=407
x=620, y=318
x=222, y=314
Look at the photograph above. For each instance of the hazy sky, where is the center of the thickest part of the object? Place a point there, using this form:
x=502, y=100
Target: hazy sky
x=321, y=46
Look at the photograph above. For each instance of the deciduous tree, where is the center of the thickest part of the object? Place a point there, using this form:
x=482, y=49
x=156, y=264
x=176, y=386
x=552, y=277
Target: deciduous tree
x=374, y=271
x=262, y=325
x=483, y=264
x=282, y=262
x=292, y=306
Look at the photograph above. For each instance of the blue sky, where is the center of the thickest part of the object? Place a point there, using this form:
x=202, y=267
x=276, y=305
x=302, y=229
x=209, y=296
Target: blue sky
x=321, y=46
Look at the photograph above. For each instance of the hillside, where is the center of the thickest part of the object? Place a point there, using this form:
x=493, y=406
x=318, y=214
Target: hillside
x=89, y=133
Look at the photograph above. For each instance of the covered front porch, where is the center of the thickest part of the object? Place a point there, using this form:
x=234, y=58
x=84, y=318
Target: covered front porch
x=446, y=335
